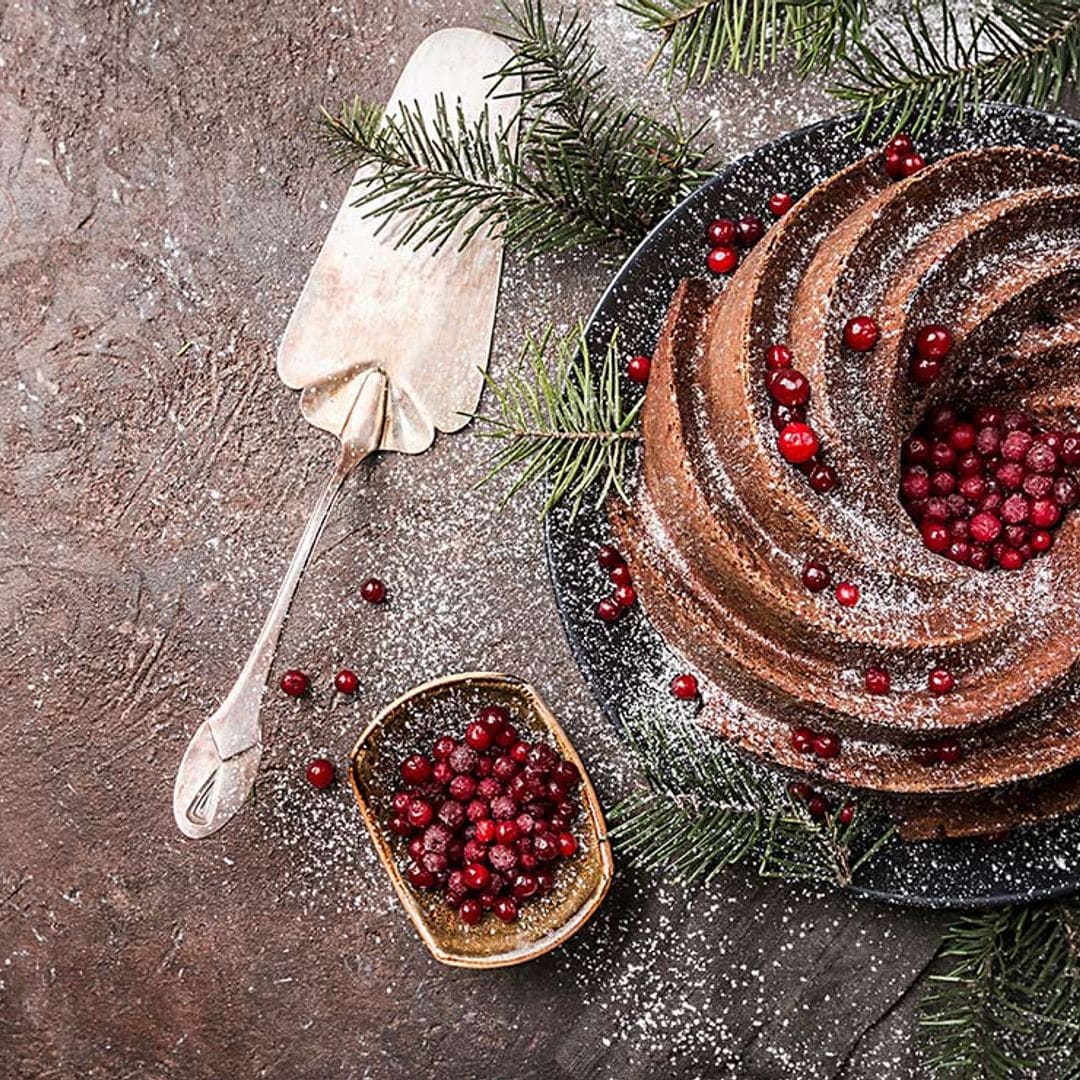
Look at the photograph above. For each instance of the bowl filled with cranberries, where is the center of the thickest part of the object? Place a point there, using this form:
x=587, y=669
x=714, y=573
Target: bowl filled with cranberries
x=482, y=813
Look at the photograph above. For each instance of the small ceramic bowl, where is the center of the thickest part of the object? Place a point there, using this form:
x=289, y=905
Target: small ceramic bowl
x=412, y=723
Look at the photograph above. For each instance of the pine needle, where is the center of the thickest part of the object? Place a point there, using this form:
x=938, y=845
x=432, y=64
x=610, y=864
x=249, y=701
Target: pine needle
x=705, y=807
x=562, y=421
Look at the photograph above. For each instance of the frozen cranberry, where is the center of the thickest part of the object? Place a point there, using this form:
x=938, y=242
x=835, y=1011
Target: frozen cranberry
x=1070, y=448
x=477, y=810
x=462, y=787
x=969, y=464
x=504, y=768
x=320, y=773
x=861, y=333
x=443, y=748
x=503, y=808
x=877, y=680
x=940, y=681
x=503, y=858
x=959, y=551
x=1040, y=458
x=463, y=759
x=416, y=769
x=826, y=744
x=916, y=450
x=777, y=357
x=943, y=483
x=722, y=260
x=1017, y=420
x=452, y=814
x=987, y=414
x=979, y=559
x=1066, y=491
x=684, y=687
x=988, y=441
x=1014, y=509
x=294, y=683
x=1038, y=487
x=1010, y=475
x=972, y=488
x=373, y=591
x=1016, y=445
x=915, y=482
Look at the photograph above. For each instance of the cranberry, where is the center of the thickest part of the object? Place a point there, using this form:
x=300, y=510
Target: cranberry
x=935, y=535
x=545, y=846
x=777, y=357
x=816, y=576
x=486, y=830
x=802, y=740
x=970, y=464
x=1041, y=540
x=463, y=759
x=452, y=814
x=1066, y=491
x=941, y=681
x=470, y=912
x=822, y=478
x=827, y=744
x=444, y=747
x=419, y=814
x=915, y=483
x=788, y=386
x=567, y=844
x=506, y=908
x=294, y=683
x=419, y=877
x=979, y=559
x=524, y=886
x=847, y=814
x=959, y=551
x=817, y=806
x=797, y=443
x=949, y=753
x=894, y=164
x=684, y=687
x=721, y=232
x=346, y=682
x=638, y=369
x=924, y=371
x=1009, y=558
x=506, y=736
x=462, y=787
x=916, y=450
x=503, y=858
x=749, y=230
x=942, y=455
x=933, y=342
x=943, y=483
x=320, y=773
x=1045, y=513
x=620, y=575
x=477, y=810
x=566, y=774
x=416, y=769
x=782, y=415
x=625, y=596
x=877, y=680
x=780, y=203
x=477, y=876
x=1041, y=459
x=1014, y=510
x=973, y=488
x=799, y=790
x=925, y=754
x=1070, y=448
x=861, y=333
x=373, y=591
x=722, y=260
x=608, y=557
x=1016, y=445
x=1010, y=475
x=608, y=610
x=478, y=736
x=988, y=441
x=1016, y=420
x=911, y=164
x=520, y=752
x=847, y=594
x=503, y=808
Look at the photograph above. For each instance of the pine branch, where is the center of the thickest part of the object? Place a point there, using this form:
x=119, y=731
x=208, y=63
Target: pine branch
x=705, y=807
x=587, y=171
x=1020, y=51
x=562, y=421
x=1007, y=1004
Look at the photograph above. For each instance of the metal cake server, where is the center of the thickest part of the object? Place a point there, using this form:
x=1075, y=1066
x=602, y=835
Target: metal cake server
x=388, y=346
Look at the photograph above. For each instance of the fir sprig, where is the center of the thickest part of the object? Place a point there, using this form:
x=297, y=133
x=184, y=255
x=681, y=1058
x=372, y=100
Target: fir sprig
x=586, y=170
x=704, y=807
x=1007, y=1003
x=1019, y=51
x=562, y=420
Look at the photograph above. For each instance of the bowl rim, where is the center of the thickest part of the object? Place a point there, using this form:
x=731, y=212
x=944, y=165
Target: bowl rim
x=555, y=937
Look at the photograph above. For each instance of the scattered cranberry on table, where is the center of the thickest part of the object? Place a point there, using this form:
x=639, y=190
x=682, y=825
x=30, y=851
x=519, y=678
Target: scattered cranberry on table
x=373, y=591
x=320, y=773
x=346, y=682
x=611, y=608
x=487, y=836
x=295, y=683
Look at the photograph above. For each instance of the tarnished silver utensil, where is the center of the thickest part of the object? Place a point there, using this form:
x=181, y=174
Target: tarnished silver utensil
x=388, y=346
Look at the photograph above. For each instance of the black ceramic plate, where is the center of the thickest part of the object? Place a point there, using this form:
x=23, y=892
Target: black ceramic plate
x=627, y=665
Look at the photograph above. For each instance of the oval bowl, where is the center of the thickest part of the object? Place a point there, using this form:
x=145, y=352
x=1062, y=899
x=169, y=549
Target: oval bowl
x=411, y=724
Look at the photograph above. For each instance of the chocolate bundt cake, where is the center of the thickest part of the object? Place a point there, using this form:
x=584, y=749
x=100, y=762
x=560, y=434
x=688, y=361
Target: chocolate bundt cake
x=853, y=516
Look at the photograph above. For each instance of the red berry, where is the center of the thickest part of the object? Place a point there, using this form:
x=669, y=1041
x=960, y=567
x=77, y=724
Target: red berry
x=749, y=229
x=911, y=164
x=525, y=885
x=1041, y=540
x=802, y=740
x=925, y=754
x=486, y=830
x=373, y=591
x=827, y=744
x=816, y=576
x=1045, y=513
x=916, y=450
x=797, y=443
x=894, y=164
x=933, y=342
x=847, y=814
x=416, y=769
x=320, y=773
x=935, y=535
x=1066, y=491
x=294, y=683
x=924, y=371
x=506, y=908
x=799, y=790
x=780, y=203
x=620, y=575
x=721, y=232
x=861, y=333
x=847, y=594
x=444, y=747
x=470, y=912
x=608, y=557
x=900, y=144
x=941, y=681
x=462, y=787
x=777, y=357
x=477, y=876
x=1070, y=448
x=1016, y=445
x=639, y=368
x=346, y=682
x=625, y=596
x=722, y=260
x=877, y=680
x=1009, y=558
x=817, y=806
x=608, y=609
x=684, y=687
x=567, y=844
x=506, y=832
x=915, y=483
x=822, y=477
x=788, y=386
x=419, y=814
x=478, y=736
x=949, y=753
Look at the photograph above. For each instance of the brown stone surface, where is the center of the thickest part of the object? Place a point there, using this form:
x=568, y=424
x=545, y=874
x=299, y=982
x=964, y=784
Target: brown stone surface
x=162, y=199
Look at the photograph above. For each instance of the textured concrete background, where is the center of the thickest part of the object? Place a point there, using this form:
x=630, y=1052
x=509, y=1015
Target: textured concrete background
x=162, y=200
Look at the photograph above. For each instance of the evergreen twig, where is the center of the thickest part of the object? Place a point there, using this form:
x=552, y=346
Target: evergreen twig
x=586, y=170
x=1007, y=1004
x=563, y=421
x=705, y=807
